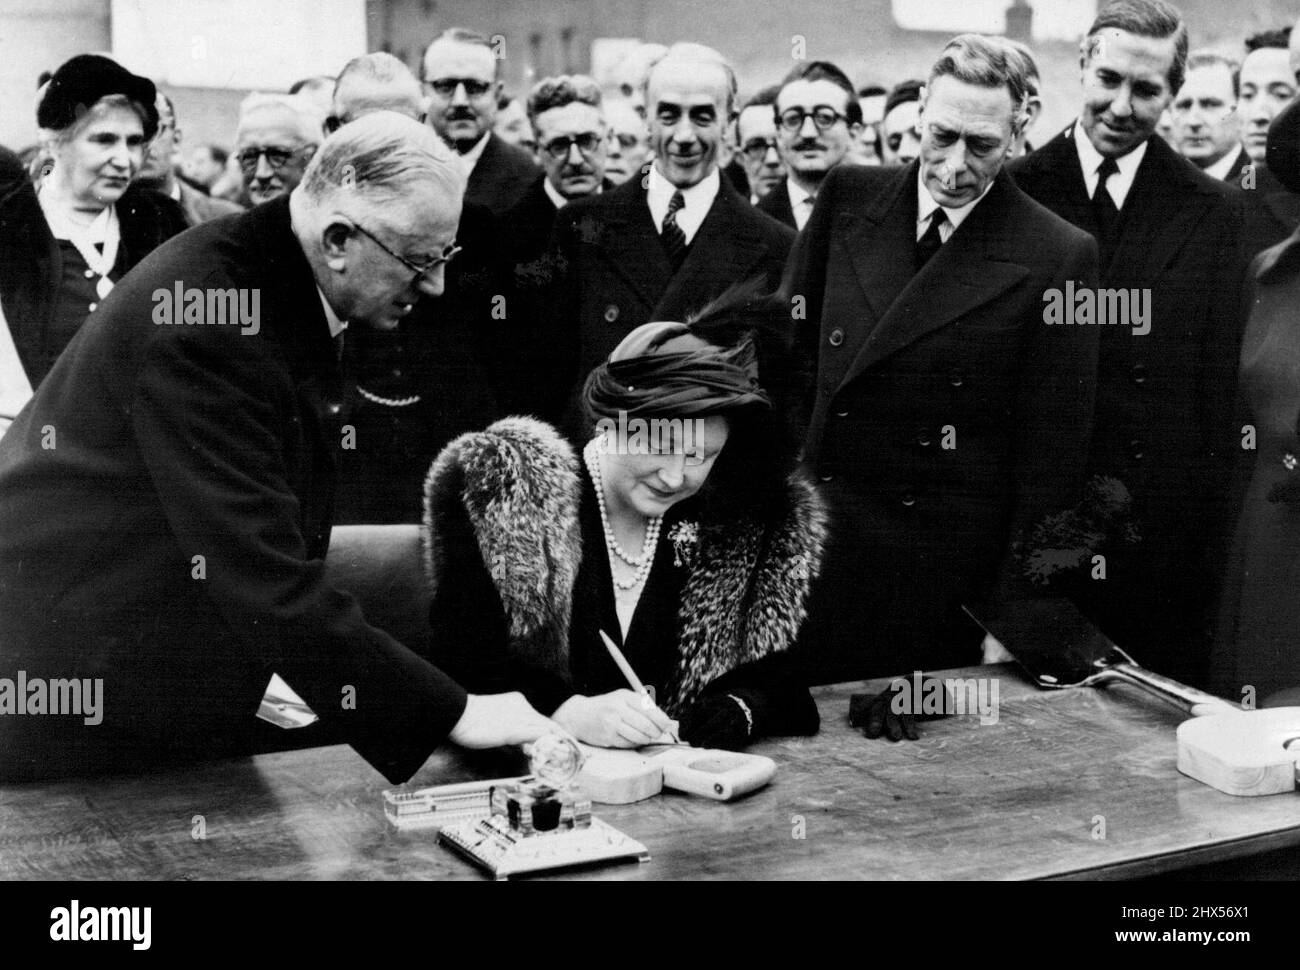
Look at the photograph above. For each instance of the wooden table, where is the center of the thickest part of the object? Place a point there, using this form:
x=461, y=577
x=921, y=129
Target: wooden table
x=1067, y=784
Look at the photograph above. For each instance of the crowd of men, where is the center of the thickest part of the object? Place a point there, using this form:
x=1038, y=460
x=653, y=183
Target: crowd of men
x=912, y=236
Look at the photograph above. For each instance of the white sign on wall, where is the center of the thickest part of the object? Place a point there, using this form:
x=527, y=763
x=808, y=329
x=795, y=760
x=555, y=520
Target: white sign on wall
x=237, y=44
x=1053, y=19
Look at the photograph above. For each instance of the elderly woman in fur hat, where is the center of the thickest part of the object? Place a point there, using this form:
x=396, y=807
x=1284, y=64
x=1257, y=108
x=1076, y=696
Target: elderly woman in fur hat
x=680, y=530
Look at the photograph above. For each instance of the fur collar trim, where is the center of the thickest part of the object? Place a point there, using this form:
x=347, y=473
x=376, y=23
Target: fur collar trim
x=746, y=595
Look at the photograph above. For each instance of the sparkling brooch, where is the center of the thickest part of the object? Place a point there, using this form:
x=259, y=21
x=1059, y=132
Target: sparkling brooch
x=684, y=536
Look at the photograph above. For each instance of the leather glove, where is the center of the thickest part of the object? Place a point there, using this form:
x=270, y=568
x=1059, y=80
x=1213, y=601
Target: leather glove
x=719, y=721
x=879, y=716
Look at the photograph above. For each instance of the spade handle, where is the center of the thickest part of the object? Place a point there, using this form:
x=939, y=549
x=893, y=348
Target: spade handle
x=1195, y=702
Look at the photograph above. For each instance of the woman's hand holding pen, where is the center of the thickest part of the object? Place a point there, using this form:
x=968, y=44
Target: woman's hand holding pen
x=619, y=719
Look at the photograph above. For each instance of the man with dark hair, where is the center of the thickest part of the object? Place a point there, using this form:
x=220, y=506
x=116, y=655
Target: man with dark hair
x=204, y=165
x=757, y=145
x=902, y=140
x=565, y=113
x=159, y=171
x=660, y=247
x=566, y=116
x=946, y=418
x=1267, y=86
x=818, y=119
x=1170, y=235
x=871, y=100
x=461, y=79
x=1207, y=131
x=512, y=125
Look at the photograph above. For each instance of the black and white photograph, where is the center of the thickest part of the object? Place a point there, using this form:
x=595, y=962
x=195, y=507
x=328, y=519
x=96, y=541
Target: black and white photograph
x=472, y=441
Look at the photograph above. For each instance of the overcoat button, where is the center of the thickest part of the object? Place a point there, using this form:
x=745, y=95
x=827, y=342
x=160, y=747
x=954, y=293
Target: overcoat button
x=1139, y=373
x=611, y=313
x=836, y=337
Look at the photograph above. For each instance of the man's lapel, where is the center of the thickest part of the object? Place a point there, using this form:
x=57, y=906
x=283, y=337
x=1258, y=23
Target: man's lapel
x=1058, y=165
x=724, y=251
x=968, y=271
x=1159, y=216
x=631, y=246
x=880, y=243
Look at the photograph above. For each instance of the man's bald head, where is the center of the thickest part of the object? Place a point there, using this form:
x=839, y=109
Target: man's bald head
x=376, y=82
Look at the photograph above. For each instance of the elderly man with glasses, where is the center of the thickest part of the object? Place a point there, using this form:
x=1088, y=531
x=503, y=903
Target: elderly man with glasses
x=276, y=138
x=756, y=139
x=572, y=141
x=169, y=542
x=461, y=82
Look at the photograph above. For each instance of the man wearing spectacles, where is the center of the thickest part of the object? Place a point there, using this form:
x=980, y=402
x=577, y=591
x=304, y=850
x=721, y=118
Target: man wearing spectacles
x=627, y=149
x=207, y=506
x=461, y=82
x=565, y=113
x=572, y=140
x=756, y=136
x=159, y=171
x=1207, y=130
x=818, y=119
x=277, y=136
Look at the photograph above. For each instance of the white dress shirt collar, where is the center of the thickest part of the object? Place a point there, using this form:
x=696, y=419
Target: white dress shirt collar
x=800, y=202
x=1090, y=160
x=698, y=199
x=1220, y=169
x=336, y=325
x=470, y=158
x=925, y=206
x=557, y=200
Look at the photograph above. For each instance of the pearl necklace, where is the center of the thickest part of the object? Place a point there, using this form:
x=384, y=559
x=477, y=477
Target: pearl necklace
x=643, y=562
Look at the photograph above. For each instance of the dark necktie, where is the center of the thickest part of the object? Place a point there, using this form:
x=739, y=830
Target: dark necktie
x=674, y=239
x=930, y=241
x=1106, y=213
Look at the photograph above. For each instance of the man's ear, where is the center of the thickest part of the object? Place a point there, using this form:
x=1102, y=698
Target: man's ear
x=334, y=243
x=920, y=102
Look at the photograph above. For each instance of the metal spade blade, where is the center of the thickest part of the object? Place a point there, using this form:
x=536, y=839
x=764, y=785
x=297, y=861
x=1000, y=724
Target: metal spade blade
x=1059, y=647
